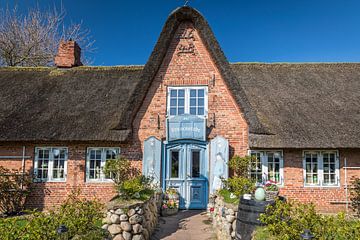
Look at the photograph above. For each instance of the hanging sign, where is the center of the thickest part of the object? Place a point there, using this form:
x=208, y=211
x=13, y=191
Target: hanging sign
x=186, y=127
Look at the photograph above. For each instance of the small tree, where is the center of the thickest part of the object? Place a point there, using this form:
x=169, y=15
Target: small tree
x=355, y=196
x=240, y=183
x=14, y=187
x=32, y=39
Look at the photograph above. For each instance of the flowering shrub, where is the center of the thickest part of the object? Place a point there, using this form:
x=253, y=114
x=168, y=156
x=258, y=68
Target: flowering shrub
x=271, y=186
x=171, y=199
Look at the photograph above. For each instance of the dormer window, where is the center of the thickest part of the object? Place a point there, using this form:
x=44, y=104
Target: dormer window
x=187, y=100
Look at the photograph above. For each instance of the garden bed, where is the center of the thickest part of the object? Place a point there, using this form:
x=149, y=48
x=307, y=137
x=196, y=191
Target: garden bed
x=132, y=219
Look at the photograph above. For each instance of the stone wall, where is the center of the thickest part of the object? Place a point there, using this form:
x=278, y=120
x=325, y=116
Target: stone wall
x=133, y=222
x=223, y=218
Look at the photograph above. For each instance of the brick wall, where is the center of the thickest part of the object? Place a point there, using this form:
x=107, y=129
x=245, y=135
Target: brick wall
x=49, y=194
x=190, y=69
x=326, y=199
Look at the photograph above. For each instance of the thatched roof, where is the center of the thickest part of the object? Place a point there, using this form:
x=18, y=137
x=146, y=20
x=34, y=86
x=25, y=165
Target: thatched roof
x=78, y=104
x=285, y=105
x=304, y=105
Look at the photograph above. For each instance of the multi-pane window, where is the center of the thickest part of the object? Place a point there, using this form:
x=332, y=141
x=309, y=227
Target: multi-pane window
x=50, y=163
x=197, y=101
x=187, y=100
x=96, y=159
x=321, y=168
x=256, y=167
x=266, y=165
x=273, y=162
x=311, y=166
x=329, y=161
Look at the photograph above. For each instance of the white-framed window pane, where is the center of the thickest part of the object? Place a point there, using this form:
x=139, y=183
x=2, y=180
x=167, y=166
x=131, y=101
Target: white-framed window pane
x=97, y=158
x=95, y=164
x=329, y=168
x=59, y=164
x=50, y=163
x=273, y=160
x=43, y=163
x=311, y=168
x=187, y=100
x=256, y=167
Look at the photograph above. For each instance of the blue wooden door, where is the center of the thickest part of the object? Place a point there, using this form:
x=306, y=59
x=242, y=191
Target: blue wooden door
x=187, y=171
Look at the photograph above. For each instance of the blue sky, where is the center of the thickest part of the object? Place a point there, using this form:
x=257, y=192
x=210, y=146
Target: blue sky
x=248, y=31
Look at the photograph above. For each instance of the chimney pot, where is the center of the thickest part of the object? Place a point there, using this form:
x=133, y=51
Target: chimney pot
x=68, y=55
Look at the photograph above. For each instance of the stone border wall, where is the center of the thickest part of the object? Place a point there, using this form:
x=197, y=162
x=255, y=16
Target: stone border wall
x=223, y=218
x=133, y=222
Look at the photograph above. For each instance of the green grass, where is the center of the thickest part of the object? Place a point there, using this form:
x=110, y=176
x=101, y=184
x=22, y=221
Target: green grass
x=262, y=233
x=226, y=195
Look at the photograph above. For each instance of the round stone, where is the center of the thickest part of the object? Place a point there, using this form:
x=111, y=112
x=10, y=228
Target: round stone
x=105, y=226
x=115, y=218
x=119, y=211
x=114, y=229
x=138, y=237
x=140, y=211
x=231, y=212
x=118, y=237
x=131, y=212
x=230, y=218
x=137, y=228
x=127, y=235
x=135, y=219
x=123, y=217
x=234, y=225
x=126, y=226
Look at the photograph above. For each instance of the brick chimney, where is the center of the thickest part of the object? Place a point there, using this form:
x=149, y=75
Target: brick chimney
x=68, y=55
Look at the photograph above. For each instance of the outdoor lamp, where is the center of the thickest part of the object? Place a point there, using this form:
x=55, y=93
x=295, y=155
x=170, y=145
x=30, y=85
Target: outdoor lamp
x=62, y=230
x=307, y=234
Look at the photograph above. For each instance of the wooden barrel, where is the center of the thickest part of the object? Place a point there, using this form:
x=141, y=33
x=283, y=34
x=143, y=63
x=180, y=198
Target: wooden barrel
x=248, y=217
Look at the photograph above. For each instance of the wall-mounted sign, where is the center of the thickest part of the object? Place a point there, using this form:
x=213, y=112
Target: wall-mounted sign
x=186, y=127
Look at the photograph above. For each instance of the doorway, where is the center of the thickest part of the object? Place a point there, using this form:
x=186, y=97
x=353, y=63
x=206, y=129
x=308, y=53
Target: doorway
x=187, y=172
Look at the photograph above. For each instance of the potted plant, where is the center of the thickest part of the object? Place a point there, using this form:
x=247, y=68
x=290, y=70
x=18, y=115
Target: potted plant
x=170, y=204
x=271, y=190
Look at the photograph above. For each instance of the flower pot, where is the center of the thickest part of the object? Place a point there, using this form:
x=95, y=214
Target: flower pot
x=271, y=195
x=169, y=211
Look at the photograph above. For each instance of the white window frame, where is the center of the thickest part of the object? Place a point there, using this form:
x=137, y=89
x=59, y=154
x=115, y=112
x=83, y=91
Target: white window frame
x=102, y=164
x=187, y=99
x=321, y=167
x=264, y=164
x=51, y=164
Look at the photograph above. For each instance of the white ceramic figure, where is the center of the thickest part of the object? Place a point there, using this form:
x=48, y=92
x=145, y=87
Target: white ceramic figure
x=218, y=172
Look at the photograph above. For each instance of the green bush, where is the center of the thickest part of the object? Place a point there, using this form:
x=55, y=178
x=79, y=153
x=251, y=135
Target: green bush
x=239, y=185
x=355, y=196
x=136, y=188
x=287, y=221
x=240, y=165
x=120, y=170
x=128, y=181
x=14, y=188
x=79, y=216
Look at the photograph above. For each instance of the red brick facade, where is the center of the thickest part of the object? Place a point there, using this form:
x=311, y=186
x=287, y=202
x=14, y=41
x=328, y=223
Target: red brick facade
x=193, y=67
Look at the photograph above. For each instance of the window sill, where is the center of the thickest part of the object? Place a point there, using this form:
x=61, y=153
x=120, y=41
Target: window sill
x=321, y=186
x=49, y=181
x=99, y=181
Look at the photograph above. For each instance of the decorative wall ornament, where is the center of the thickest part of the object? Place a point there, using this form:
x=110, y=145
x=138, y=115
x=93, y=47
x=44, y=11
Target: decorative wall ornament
x=188, y=34
x=186, y=49
x=218, y=163
x=152, y=159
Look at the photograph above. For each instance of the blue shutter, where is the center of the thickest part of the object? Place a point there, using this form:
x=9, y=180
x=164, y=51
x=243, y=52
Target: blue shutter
x=151, y=165
x=218, y=162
